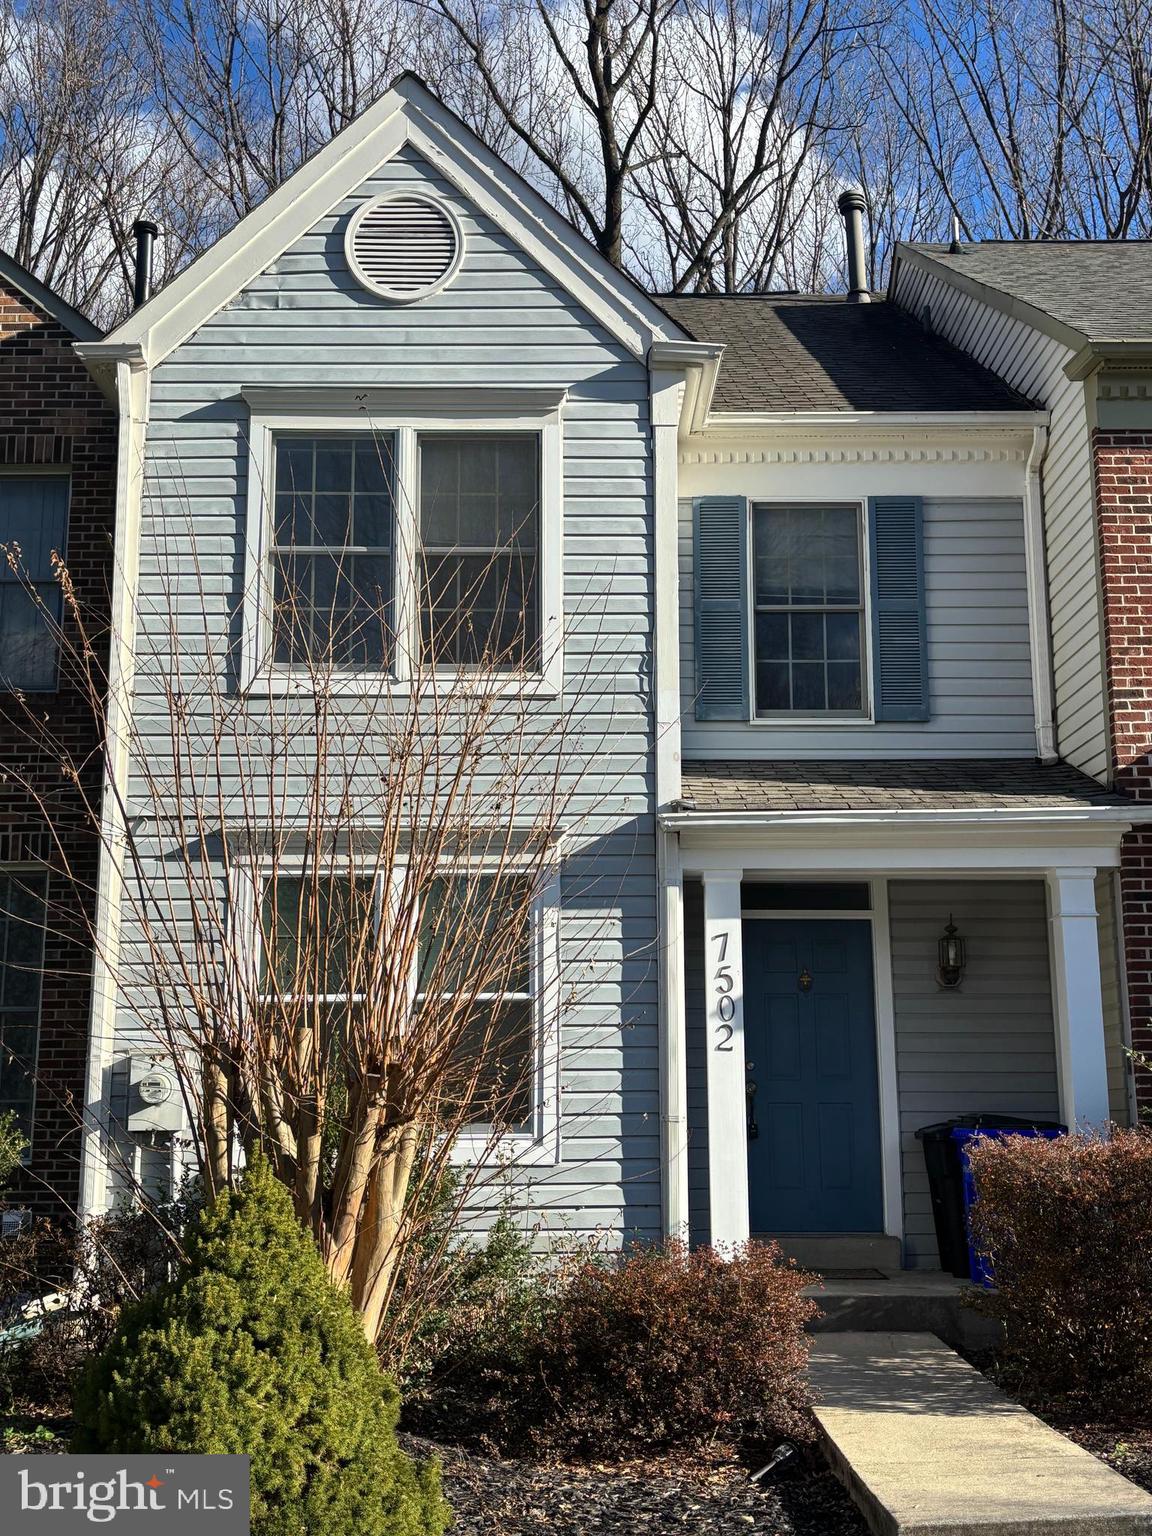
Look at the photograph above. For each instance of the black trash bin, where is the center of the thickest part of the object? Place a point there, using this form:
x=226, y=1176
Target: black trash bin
x=942, y=1158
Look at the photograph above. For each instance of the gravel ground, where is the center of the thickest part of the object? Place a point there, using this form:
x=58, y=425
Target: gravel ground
x=518, y=1498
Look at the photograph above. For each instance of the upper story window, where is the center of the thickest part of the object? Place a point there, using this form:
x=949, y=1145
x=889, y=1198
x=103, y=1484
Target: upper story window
x=808, y=589
x=479, y=542
x=33, y=525
x=332, y=550
x=380, y=552
x=810, y=613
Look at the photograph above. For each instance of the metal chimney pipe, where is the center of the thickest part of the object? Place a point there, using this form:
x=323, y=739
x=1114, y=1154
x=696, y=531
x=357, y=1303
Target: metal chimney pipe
x=144, y=233
x=851, y=205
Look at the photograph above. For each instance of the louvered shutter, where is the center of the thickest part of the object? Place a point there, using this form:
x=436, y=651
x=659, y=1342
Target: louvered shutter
x=899, y=630
x=720, y=576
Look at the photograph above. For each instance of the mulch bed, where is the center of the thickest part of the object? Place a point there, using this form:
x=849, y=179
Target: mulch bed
x=713, y=1497
x=1125, y=1447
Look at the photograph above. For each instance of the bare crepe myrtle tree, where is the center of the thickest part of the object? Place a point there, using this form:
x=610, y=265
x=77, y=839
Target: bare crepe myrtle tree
x=337, y=892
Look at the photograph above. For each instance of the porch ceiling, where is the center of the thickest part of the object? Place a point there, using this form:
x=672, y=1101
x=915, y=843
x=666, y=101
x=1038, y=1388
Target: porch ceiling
x=931, y=784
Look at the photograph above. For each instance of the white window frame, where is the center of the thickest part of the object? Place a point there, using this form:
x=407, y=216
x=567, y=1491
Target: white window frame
x=539, y=1144
x=784, y=719
x=403, y=415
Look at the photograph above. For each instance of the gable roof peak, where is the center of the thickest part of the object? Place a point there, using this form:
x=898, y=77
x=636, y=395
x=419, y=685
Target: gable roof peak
x=408, y=113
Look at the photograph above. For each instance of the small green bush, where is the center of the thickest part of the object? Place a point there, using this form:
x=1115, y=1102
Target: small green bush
x=12, y=1144
x=613, y=1357
x=251, y=1349
x=1067, y=1225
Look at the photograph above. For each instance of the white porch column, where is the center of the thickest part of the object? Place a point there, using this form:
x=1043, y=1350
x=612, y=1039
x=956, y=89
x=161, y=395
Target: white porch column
x=1081, y=1054
x=673, y=1069
x=724, y=1016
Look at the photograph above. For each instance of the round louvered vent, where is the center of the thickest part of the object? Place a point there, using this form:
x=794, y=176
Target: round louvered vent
x=404, y=246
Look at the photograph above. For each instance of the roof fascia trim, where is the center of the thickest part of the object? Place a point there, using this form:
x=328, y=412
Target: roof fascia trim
x=699, y=362
x=1097, y=355
x=791, y=423
x=13, y=275
x=996, y=298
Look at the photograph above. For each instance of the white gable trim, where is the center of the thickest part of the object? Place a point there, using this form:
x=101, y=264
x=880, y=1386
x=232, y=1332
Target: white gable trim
x=407, y=114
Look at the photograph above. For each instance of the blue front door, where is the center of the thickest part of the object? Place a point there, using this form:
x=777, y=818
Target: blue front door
x=810, y=1048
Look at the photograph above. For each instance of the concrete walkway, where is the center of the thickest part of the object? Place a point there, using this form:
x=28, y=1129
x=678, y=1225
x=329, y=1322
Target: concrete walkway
x=928, y=1447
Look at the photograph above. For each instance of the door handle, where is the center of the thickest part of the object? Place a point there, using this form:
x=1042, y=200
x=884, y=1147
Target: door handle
x=750, y=1096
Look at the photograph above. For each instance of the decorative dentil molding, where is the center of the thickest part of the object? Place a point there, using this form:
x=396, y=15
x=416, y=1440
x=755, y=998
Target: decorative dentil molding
x=861, y=453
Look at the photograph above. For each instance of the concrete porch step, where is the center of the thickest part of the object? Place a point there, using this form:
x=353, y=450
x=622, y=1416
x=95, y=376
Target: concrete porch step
x=903, y=1301
x=837, y=1250
x=928, y=1447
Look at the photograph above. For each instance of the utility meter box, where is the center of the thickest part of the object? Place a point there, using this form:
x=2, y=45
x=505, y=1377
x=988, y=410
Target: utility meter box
x=154, y=1099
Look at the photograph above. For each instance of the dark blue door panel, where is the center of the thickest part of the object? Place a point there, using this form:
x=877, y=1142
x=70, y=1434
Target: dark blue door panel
x=810, y=1039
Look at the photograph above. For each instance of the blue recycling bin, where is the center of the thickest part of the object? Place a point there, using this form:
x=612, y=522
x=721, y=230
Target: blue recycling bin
x=963, y=1136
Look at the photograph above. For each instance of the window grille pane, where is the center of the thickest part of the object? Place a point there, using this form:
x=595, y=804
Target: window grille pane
x=311, y=928
x=332, y=568
x=809, y=617
x=479, y=533
x=33, y=527
x=23, y=920
x=468, y=921
x=494, y=1066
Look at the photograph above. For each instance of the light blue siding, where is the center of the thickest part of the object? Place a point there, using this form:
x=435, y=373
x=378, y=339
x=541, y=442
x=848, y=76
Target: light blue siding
x=989, y=1046
x=979, y=664
x=505, y=323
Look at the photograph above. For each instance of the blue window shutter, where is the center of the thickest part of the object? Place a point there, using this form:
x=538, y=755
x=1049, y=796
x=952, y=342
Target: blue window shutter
x=899, y=630
x=720, y=581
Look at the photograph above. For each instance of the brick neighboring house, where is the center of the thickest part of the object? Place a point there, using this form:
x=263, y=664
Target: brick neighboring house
x=58, y=439
x=1070, y=323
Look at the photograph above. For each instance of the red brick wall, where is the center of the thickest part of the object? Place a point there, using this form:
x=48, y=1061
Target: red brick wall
x=1123, y=467
x=52, y=413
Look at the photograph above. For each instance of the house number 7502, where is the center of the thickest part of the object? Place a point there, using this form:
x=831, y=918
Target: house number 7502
x=723, y=986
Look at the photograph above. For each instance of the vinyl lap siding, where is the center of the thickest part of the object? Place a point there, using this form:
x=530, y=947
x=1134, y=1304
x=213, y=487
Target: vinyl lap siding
x=503, y=322
x=989, y=1045
x=1034, y=364
x=978, y=652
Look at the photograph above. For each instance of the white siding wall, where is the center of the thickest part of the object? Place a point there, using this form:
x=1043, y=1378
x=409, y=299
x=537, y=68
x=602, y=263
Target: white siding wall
x=978, y=650
x=989, y=1045
x=1034, y=364
x=502, y=322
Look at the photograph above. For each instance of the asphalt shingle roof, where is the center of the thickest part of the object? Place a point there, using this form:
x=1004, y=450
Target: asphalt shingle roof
x=815, y=353
x=924, y=785
x=1101, y=288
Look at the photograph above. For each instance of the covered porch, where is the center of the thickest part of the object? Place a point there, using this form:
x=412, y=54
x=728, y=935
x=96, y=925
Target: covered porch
x=815, y=1031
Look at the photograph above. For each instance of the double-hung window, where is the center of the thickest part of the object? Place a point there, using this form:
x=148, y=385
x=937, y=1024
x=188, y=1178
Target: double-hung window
x=33, y=526
x=808, y=594
x=23, y=919
x=483, y=977
x=374, y=553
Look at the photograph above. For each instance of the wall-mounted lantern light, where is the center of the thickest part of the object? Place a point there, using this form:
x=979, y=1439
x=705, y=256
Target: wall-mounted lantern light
x=950, y=971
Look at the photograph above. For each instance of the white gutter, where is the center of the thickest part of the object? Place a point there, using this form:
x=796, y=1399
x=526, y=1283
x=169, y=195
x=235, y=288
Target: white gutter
x=133, y=383
x=698, y=364
x=1043, y=816
x=1039, y=628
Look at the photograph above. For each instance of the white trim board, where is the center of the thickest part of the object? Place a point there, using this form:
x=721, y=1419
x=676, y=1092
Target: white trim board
x=408, y=114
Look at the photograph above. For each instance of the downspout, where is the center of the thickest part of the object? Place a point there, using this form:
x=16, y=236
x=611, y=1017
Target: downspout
x=133, y=382
x=1039, y=627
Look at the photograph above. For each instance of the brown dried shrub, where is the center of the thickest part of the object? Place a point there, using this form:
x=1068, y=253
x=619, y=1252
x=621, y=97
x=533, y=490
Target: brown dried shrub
x=1067, y=1225
x=613, y=1357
